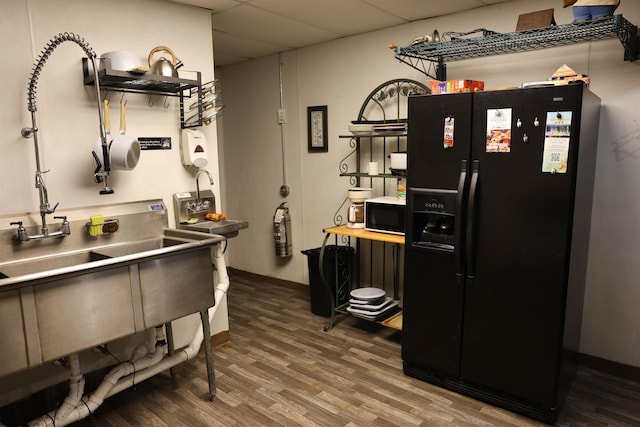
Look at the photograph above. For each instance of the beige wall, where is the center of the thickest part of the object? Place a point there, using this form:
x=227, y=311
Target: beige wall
x=340, y=74
x=67, y=111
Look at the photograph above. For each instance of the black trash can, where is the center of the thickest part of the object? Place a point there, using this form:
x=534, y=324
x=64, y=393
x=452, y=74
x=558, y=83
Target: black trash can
x=337, y=259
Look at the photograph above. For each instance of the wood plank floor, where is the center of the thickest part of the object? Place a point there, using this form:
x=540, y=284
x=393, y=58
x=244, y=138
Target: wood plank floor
x=281, y=369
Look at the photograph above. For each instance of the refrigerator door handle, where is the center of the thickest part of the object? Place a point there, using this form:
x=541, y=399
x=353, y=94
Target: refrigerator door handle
x=471, y=218
x=457, y=248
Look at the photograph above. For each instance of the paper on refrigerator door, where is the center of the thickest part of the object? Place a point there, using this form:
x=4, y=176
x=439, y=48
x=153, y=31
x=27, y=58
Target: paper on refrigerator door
x=556, y=142
x=449, y=129
x=498, y=130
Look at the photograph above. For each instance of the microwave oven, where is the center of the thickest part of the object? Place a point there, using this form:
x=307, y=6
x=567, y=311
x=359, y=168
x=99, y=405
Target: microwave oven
x=385, y=214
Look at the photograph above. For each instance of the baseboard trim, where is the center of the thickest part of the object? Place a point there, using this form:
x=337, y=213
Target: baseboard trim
x=253, y=276
x=597, y=363
x=220, y=338
x=616, y=369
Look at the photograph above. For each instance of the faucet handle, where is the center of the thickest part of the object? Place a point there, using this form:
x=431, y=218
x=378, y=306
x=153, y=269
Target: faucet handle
x=65, y=229
x=22, y=235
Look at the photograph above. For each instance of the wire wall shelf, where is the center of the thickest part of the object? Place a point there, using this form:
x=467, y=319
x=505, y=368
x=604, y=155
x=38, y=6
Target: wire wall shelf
x=431, y=58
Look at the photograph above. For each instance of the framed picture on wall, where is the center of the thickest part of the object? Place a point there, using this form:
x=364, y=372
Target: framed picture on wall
x=317, y=124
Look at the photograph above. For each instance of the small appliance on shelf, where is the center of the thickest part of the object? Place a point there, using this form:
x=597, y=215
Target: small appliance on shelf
x=385, y=214
x=357, y=196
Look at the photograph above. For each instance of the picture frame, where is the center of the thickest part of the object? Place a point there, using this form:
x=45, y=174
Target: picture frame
x=317, y=129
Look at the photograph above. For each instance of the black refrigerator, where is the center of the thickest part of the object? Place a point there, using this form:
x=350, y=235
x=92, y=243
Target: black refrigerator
x=499, y=194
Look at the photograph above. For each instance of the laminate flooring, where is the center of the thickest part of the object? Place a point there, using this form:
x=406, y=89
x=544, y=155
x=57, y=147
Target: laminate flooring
x=281, y=369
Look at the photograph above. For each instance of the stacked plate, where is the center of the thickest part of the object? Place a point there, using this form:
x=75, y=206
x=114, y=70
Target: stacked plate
x=361, y=128
x=370, y=303
x=377, y=127
x=387, y=128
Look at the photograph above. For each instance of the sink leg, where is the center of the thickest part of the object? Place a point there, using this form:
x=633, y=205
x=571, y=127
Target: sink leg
x=204, y=316
x=168, y=327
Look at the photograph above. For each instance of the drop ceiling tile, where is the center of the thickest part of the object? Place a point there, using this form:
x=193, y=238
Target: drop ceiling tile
x=229, y=44
x=490, y=2
x=413, y=10
x=252, y=23
x=254, y=28
x=214, y=5
x=345, y=17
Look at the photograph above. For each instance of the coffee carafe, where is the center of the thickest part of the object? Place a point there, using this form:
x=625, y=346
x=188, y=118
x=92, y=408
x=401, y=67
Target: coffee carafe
x=355, y=215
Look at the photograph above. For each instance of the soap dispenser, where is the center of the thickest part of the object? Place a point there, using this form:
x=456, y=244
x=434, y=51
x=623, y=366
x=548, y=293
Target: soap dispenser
x=193, y=148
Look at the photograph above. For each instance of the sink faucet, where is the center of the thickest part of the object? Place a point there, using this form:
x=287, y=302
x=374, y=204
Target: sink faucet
x=23, y=236
x=199, y=206
x=32, y=132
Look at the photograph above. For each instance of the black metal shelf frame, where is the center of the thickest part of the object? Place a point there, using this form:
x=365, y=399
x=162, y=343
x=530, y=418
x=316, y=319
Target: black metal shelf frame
x=150, y=84
x=431, y=58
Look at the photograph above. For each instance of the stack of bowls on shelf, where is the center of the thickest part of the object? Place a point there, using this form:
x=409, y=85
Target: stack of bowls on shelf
x=371, y=303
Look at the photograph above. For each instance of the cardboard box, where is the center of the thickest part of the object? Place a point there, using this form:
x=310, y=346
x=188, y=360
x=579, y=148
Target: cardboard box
x=455, y=86
x=534, y=20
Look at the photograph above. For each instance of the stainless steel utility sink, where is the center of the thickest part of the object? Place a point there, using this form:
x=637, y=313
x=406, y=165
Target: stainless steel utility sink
x=65, y=296
x=227, y=227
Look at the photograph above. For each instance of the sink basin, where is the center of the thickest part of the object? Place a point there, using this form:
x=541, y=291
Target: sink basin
x=228, y=227
x=57, y=261
x=67, y=260
x=55, y=305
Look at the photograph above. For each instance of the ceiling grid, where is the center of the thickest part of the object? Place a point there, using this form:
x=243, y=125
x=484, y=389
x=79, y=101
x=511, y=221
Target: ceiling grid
x=247, y=29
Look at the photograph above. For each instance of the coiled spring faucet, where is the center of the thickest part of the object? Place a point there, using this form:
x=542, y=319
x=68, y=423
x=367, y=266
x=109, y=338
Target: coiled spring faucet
x=32, y=132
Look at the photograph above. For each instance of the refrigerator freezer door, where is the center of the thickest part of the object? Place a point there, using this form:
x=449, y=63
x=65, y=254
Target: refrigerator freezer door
x=433, y=289
x=432, y=313
x=520, y=246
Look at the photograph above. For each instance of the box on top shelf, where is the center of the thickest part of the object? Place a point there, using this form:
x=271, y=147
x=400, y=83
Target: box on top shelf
x=454, y=86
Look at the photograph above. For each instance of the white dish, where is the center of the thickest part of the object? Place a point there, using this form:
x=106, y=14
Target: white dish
x=362, y=132
x=373, y=302
x=367, y=294
x=367, y=317
x=361, y=129
x=372, y=314
x=371, y=306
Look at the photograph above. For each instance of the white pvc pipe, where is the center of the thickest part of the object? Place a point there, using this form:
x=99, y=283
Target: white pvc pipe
x=137, y=369
x=76, y=388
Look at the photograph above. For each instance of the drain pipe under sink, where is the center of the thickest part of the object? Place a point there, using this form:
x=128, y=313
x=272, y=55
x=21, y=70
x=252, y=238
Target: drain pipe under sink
x=133, y=371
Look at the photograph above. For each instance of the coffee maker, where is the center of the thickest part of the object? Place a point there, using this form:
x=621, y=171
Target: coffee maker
x=355, y=212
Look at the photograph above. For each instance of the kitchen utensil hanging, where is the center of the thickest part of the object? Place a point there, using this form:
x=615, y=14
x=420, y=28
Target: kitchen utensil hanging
x=125, y=151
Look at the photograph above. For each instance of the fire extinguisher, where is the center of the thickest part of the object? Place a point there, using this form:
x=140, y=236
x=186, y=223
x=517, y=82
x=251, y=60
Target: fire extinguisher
x=282, y=231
